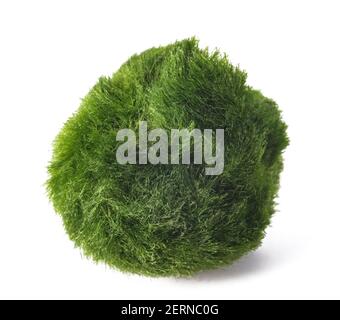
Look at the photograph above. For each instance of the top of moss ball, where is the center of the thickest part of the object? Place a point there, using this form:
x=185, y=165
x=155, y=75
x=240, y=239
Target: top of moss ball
x=163, y=220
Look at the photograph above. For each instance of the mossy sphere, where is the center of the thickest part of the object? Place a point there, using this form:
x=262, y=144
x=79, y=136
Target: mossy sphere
x=169, y=220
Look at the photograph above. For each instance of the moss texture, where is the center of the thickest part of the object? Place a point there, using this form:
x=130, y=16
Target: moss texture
x=169, y=220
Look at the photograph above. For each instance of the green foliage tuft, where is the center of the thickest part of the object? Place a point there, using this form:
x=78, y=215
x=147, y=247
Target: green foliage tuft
x=169, y=220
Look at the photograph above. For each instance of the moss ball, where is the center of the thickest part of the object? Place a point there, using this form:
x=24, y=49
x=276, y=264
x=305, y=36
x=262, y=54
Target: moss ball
x=169, y=220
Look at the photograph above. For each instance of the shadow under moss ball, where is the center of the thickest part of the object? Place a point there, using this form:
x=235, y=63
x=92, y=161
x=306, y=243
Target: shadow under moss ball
x=169, y=220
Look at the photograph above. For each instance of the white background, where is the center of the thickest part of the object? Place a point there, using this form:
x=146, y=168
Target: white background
x=52, y=52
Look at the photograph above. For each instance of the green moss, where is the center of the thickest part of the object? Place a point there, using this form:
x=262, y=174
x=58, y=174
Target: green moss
x=169, y=219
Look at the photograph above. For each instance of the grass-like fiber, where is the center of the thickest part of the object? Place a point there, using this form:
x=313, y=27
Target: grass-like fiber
x=169, y=220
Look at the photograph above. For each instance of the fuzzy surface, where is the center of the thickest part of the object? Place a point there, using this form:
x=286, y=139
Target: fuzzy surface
x=169, y=220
